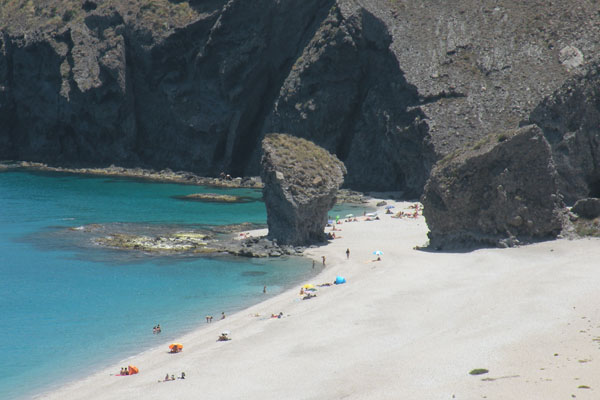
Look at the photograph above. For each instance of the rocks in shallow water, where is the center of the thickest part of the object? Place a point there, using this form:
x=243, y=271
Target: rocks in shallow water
x=587, y=208
x=300, y=180
x=179, y=242
x=502, y=191
x=163, y=241
x=213, y=197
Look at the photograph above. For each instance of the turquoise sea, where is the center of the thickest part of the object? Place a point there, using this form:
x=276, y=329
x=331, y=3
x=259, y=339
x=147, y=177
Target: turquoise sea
x=69, y=307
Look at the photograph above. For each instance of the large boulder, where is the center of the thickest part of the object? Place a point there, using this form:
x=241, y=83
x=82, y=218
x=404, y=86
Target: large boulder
x=501, y=191
x=587, y=208
x=301, y=180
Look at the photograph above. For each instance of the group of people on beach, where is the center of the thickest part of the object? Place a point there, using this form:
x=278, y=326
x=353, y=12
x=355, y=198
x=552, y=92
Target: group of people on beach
x=172, y=377
x=157, y=329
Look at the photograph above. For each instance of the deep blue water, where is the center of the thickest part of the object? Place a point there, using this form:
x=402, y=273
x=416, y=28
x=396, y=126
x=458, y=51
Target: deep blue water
x=68, y=307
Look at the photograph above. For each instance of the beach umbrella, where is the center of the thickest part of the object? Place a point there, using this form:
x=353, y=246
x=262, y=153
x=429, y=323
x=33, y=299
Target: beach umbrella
x=178, y=346
x=390, y=206
x=330, y=221
x=133, y=369
x=349, y=215
x=339, y=280
x=226, y=333
x=378, y=252
x=309, y=286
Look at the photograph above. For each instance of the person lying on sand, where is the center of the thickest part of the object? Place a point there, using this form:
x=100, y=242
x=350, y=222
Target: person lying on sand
x=223, y=337
x=309, y=296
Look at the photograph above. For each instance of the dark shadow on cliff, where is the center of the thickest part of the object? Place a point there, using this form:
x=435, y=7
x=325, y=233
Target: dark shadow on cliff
x=348, y=94
x=570, y=121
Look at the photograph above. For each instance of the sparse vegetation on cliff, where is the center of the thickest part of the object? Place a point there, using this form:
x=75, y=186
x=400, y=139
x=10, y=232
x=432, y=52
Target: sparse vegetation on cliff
x=155, y=16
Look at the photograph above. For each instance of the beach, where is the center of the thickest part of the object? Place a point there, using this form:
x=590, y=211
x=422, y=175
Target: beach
x=412, y=325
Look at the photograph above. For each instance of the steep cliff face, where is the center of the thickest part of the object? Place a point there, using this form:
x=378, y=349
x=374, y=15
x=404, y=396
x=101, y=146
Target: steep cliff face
x=347, y=93
x=570, y=119
x=387, y=86
x=106, y=88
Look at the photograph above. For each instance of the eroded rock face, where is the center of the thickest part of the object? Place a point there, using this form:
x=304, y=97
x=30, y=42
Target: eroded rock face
x=570, y=120
x=195, y=85
x=346, y=93
x=501, y=191
x=300, y=180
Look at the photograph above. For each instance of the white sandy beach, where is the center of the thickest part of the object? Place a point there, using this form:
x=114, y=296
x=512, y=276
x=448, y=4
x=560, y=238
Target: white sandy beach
x=410, y=326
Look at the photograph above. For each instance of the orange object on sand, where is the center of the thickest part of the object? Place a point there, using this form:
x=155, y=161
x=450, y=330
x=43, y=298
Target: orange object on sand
x=133, y=370
x=176, y=346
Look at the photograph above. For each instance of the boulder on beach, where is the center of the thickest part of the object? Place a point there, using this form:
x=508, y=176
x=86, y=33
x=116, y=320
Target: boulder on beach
x=301, y=180
x=500, y=192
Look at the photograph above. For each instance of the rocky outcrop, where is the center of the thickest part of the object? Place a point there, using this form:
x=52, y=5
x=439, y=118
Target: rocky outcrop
x=570, y=119
x=501, y=191
x=587, y=208
x=300, y=185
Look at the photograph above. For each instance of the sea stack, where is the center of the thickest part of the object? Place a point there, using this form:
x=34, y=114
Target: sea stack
x=501, y=191
x=301, y=181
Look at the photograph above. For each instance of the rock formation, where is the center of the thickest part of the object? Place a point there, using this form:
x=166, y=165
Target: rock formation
x=587, y=208
x=570, y=119
x=195, y=85
x=300, y=185
x=501, y=191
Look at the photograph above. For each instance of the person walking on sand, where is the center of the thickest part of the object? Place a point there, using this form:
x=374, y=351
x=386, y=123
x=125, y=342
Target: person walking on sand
x=323, y=257
x=313, y=264
x=347, y=254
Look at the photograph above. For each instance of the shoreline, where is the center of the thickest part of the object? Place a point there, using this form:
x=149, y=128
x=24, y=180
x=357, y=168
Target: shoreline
x=410, y=326
x=165, y=175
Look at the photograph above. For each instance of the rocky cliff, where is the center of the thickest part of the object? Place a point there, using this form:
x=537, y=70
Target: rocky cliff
x=300, y=186
x=570, y=119
x=387, y=86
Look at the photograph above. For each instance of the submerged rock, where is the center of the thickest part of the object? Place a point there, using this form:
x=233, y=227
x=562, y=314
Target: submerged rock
x=502, y=191
x=213, y=197
x=178, y=242
x=301, y=180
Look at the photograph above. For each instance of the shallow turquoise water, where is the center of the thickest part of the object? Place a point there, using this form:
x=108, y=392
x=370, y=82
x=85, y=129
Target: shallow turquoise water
x=68, y=307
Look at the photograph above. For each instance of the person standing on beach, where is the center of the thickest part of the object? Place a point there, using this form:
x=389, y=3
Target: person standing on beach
x=323, y=257
x=313, y=264
x=347, y=254
x=223, y=315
